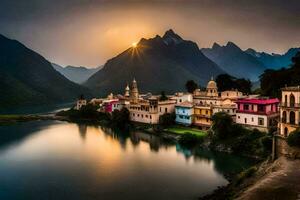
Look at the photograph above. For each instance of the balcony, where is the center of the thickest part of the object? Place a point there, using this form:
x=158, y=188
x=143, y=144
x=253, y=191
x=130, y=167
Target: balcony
x=256, y=112
x=291, y=105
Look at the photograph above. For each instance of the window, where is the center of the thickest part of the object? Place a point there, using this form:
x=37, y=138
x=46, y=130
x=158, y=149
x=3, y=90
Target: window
x=239, y=117
x=245, y=120
x=206, y=112
x=246, y=107
x=133, y=114
x=260, y=121
x=146, y=116
x=180, y=116
x=252, y=119
x=150, y=117
x=260, y=108
x=166, y=109
x=160, y=109
x=180, y=100
x=142, y=115
x=188, y=117
x=138, y=115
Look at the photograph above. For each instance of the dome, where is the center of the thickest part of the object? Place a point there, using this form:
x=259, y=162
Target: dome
x=212, y=84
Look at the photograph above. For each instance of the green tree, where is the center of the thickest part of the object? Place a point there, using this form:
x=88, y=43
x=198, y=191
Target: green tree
x=294, y=138
x=222, y=125
x=271, y=81
x=227, y=82
x=191, y=86
x=163, y=96
x=167, y=119
x=120, y=118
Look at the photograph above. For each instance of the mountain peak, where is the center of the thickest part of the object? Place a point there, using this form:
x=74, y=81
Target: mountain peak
x=215, y=45
x=231, y=44
x=171, y=37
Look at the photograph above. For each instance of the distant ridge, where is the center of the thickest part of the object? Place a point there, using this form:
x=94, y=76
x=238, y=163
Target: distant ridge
x=274, y=61
x=27, y=78
x=76, y=74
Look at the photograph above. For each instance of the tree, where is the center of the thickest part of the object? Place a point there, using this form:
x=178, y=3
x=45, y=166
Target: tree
x=191, y=86
x=271, y=81
x=222, y=125
x=227, y=82
x=167, y=119
x=163, y=96
x=244, y=85
x=294, y=138
x=120, y=118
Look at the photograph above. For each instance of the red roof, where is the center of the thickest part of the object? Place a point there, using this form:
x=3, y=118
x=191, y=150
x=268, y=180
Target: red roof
x=258, y=101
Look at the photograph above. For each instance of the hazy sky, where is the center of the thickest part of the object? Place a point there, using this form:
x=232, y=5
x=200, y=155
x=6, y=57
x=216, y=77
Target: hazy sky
x=88, y=32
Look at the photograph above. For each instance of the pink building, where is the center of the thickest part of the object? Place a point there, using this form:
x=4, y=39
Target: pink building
x=111, y=105
x=257, y=113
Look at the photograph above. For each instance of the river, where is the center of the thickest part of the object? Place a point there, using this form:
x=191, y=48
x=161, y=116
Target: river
x=60, y=160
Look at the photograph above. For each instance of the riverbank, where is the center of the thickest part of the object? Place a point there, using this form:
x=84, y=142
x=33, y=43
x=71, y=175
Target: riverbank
x=268, y=181
x=7, y=119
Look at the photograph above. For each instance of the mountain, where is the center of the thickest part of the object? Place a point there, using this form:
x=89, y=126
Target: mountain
x=159, y=63
x=76, y=74
x=274, y=61
x=26, y=78
x=235, y=61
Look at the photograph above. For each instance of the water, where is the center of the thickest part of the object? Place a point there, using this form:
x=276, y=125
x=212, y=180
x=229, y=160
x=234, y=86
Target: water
x=59, y=160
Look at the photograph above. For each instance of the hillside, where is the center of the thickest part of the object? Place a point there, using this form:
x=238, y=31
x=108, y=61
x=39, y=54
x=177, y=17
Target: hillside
x=159, y=63
x=235, y=61
x=26, y=78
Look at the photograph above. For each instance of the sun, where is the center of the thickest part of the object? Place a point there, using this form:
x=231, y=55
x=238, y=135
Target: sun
x=134, y=44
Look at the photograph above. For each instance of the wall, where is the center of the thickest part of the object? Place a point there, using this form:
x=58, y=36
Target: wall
x=252, y=119
x=283, y=149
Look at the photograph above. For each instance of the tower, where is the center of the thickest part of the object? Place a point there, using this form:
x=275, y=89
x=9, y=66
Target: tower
x=127, y=91
x=134, y=94
x=212, y=89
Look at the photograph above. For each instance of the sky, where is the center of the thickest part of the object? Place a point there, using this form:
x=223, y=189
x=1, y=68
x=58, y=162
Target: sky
x=89, y=32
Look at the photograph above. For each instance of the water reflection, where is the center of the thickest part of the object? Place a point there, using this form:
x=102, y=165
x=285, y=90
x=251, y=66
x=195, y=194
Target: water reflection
x=76, y=161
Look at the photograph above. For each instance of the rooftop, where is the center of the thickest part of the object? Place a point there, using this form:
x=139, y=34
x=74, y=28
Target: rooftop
x=258, y=101
x=291, y=88
x=185, y=104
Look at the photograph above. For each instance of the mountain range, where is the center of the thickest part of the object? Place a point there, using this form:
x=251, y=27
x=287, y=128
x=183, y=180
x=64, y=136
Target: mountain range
x=274, y=61
x=76, y=74
x=27, y=78
x=235, y=61
x=158, y=64
x=248, y=64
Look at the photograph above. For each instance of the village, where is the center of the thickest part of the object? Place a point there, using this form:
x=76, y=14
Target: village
x=197, y=109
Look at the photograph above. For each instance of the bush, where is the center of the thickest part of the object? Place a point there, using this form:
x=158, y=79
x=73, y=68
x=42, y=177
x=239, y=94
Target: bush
x=190, y=140
x=245, y=174
x=267, y=143
x=167, y=119
x=294, y=138
x=120, y=118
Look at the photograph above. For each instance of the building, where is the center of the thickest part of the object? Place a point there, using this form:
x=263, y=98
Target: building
x=289, y=110
x=149, y=109
x=184, y=113
x=182, y=97
x=227, y=103
x=202, y=116
x=257, y=113
x=210, y=101
x=80, y=102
